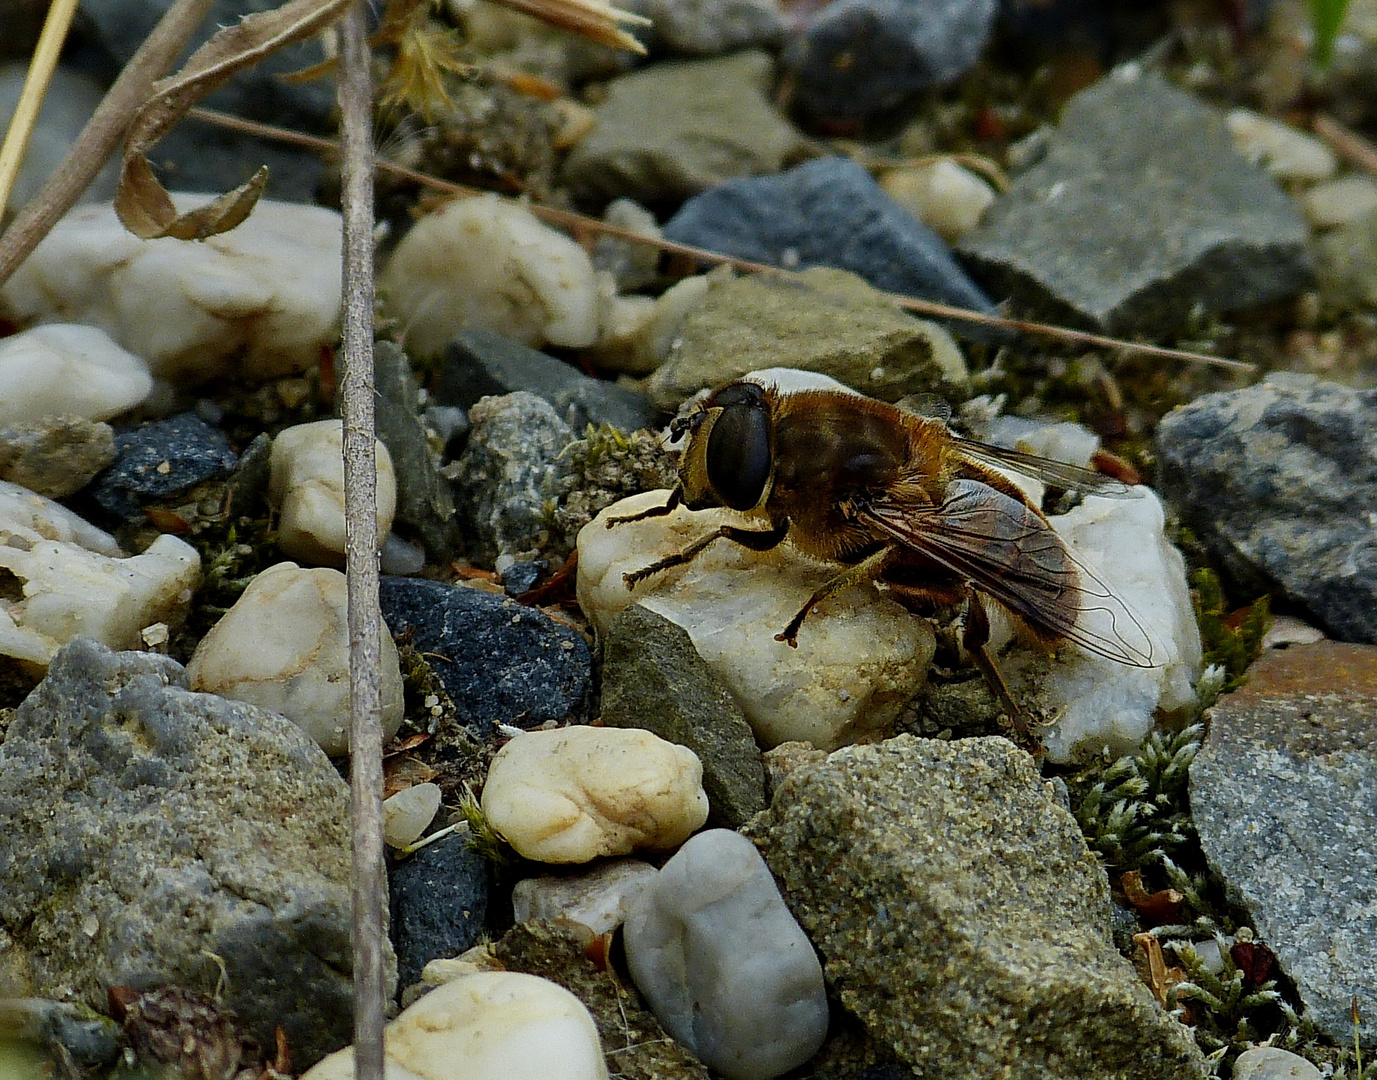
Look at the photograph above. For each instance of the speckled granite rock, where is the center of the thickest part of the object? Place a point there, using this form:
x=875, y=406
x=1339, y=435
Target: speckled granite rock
x=152, y=833
x=952, y=870
x=1284, y=795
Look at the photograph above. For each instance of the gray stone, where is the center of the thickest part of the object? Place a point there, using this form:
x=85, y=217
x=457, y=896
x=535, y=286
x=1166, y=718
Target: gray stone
x=56, y=455
x=1280, y=482
x=500, y=662
x=712, y=27
x=1347, y=264
x=653, y=678
x=1140, y=213
x=439, y=901
x=425, y=506
x=1284, y=797
x=153, y=835
x=961, y=917
x=722, y=962
x=481, y=363
x=821, y=320
x=856, y=58
x=676, y=129
x=831, y=212
x=1273, y=1063
x=160, y=459
x=508, y=476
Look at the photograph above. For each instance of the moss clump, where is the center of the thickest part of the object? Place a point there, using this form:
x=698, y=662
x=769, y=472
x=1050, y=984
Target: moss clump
x=1232, y=641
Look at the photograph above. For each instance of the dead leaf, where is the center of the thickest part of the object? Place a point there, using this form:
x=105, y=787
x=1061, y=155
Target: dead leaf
x=142, y=203
x=1152, y=968
x=1157, y=908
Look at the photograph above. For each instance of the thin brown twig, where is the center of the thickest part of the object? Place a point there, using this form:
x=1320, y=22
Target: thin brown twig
x=102, y=133
x=1348, y=144
x=40, y=74
x=361, y=549
x=582, y=223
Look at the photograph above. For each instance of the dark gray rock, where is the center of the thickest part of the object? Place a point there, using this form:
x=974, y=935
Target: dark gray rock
x=676, y=129
x=481, y=363
x=653, y=678
x=522, y=577
x=1284, y=796
x=961, y=917
x=153, y=834
x=65, y=1031
x=1280, y=482
x=509, y=475
x=829, y=212
x=425, y=506
x=198, y=157
x=1140, y=213
x=55, y=455
x=160, y=459
x=439, y=900
x=857, y=58
x=499, y=661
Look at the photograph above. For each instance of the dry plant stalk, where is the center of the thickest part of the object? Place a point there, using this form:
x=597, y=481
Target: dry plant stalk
x=102, y=133
x=369, y=930
x=594, y=19
x=45, y=54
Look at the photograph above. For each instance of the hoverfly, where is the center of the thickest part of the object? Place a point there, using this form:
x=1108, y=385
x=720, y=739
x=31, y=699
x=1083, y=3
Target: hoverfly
x=890, y=496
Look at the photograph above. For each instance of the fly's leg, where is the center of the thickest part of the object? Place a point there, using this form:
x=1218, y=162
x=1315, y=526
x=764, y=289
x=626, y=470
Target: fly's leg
x=974, y=640
x=675, y=498
x=865, y=571
x=756, y=540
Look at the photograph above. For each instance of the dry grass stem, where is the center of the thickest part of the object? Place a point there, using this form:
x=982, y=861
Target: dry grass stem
x=1348, y=144
x=102, y=133
x=580, y=224
x=594, y=19
x=369, y=936
x=45, y=54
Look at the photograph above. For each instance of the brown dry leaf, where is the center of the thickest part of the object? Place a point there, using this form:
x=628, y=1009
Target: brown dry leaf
x=1152, y=967
x=1158, y=908
x=142, y=203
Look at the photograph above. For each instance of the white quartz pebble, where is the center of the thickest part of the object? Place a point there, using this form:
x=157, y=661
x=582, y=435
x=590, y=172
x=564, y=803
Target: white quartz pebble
x=284, y=645
x=574, y=794
x=598, y=899
x=1284, y=151
x=72, y=582
x=490, y=263
x=257, y=302
x=306, y=484
x=1340, y=201
x=942, y=194
x=407, y=813
x=860, y=656
x=68, y=370
x=493, y=1025
x=1274, y=1063
x=723, y=963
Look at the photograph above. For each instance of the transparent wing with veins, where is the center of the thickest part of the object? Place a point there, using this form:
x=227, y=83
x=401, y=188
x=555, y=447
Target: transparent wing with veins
x=1010, y=554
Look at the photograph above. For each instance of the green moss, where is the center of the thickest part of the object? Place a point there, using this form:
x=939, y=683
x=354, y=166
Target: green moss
x=1232, y=647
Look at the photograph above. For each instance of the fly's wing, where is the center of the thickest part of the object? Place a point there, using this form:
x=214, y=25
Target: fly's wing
x=1008, y=552
x=1054, y=473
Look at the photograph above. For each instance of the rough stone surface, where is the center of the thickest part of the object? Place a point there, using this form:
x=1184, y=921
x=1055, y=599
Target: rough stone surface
x=150, y=830
x=676, y=129
x=829, y=212
x=952, y=871
x=634, y=1043
x=711, y=27
x=860, y=57
x=162, y=458
x=481, y=363
x=1140, y=212
x=510, y=470
x=439, y=901
x=653, y=678
x=1280, y=481
x=55, y=456
x=1284, y=795
x=500, y=662
x=821, y=320
x=425, y=506
x=598, y=899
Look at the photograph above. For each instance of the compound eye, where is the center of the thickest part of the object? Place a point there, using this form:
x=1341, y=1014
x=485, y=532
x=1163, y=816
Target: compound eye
x=738, y=453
